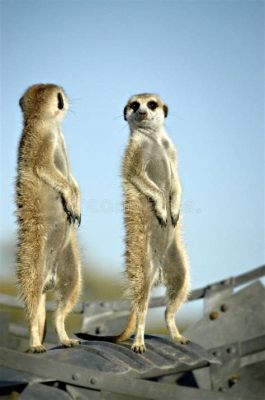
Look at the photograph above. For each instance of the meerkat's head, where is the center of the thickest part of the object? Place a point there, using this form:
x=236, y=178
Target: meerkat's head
x=145, y=110
x=44, y=101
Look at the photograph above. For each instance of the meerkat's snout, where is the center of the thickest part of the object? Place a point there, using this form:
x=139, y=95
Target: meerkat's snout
x=142, y=114
x=145, y=109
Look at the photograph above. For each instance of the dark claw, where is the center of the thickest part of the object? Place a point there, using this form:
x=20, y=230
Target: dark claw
x=69, y=216
x=68, y=213
x=175, y=220
x=162, y=223
x=77, y=219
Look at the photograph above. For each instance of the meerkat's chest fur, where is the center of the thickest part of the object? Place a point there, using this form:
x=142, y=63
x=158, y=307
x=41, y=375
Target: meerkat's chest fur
x=157, y=150
x=60, y=152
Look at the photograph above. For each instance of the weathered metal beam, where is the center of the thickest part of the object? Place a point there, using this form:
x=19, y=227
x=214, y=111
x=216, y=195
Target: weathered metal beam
x=88, y=378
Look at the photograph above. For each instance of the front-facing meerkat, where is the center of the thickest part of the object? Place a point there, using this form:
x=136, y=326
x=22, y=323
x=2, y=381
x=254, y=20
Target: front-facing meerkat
x=152, y=191
x=48, y=205
x=152, y=196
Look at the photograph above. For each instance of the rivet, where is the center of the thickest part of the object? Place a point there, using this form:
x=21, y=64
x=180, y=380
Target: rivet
x=232, y=380
x=231, y=350
x=98, y=330
x=224, y=307
x=93, y=381
x=75, y=376
x=217, y=353
x=213, y=315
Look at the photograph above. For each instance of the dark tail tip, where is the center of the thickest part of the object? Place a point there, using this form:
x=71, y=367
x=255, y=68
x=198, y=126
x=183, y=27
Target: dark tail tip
x=87, y=336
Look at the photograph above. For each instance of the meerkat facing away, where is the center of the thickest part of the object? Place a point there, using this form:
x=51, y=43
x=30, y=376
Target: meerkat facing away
x=48, y=205
x=152, y=197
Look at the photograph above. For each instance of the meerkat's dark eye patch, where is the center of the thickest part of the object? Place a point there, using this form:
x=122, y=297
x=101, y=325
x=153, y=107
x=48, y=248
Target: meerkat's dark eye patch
x=134, y=105
x=152, y=105
x=60, y=101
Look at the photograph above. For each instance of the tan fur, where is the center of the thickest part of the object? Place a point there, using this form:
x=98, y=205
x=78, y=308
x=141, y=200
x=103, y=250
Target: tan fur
x=152, y=196
x=152, y=205
x=48, y=204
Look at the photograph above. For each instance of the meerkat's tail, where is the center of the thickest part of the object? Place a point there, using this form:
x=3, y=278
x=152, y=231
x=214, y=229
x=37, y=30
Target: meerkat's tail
x=124, y=335
x=130, y=328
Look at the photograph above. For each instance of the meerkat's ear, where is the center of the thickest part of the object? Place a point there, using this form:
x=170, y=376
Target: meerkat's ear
x=60, y=101
x=21, y=103
x=165, y=109
x=124, y=113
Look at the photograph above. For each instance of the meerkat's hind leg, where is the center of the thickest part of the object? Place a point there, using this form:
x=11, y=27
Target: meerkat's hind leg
x=176, y=276
x=61, y=313
x=68, y=289
x=138, y=345
x=37, y=326
x=29, y=275
x=140, y=305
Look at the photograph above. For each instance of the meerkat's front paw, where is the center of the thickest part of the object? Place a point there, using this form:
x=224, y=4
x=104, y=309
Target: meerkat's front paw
x=71, y=343
x=181, y=339
x=37, y=349
x=71, y=207
x=138, y=347
x=77, y=204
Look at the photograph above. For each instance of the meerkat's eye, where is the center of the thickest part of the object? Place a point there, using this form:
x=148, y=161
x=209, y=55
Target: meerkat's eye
x=60, y=101
x=152, y=105
x=134, y=105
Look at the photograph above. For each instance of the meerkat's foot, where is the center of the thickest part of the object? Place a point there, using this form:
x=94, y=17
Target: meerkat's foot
x=71, y=342
x=138, y=348
x=37, y=349
x=181, y=339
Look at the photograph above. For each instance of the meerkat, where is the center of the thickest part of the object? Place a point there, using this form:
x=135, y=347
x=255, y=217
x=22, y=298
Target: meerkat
x=152, y=200
x=48, y=207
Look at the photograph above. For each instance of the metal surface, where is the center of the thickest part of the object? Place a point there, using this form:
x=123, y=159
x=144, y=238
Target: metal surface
x=12, y=377
x=243, y=318
x=232, y=330
x=109, y=317
x=162, y=356
x=43, y=392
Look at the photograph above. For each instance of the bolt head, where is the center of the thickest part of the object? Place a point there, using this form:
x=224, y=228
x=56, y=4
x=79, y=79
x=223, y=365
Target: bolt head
x=213, y=315
x=224, y=307
x=232, y=380
x=75, y=376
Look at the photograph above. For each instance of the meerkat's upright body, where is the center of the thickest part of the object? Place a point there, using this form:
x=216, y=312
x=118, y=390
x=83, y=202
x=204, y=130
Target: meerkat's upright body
x=48, y=204
x=152, y=205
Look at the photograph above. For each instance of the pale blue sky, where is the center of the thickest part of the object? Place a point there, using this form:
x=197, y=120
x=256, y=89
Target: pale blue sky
x=205, y=58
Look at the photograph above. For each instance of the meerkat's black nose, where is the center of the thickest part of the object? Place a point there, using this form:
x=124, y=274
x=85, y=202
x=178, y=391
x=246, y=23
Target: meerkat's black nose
x=143, y=113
